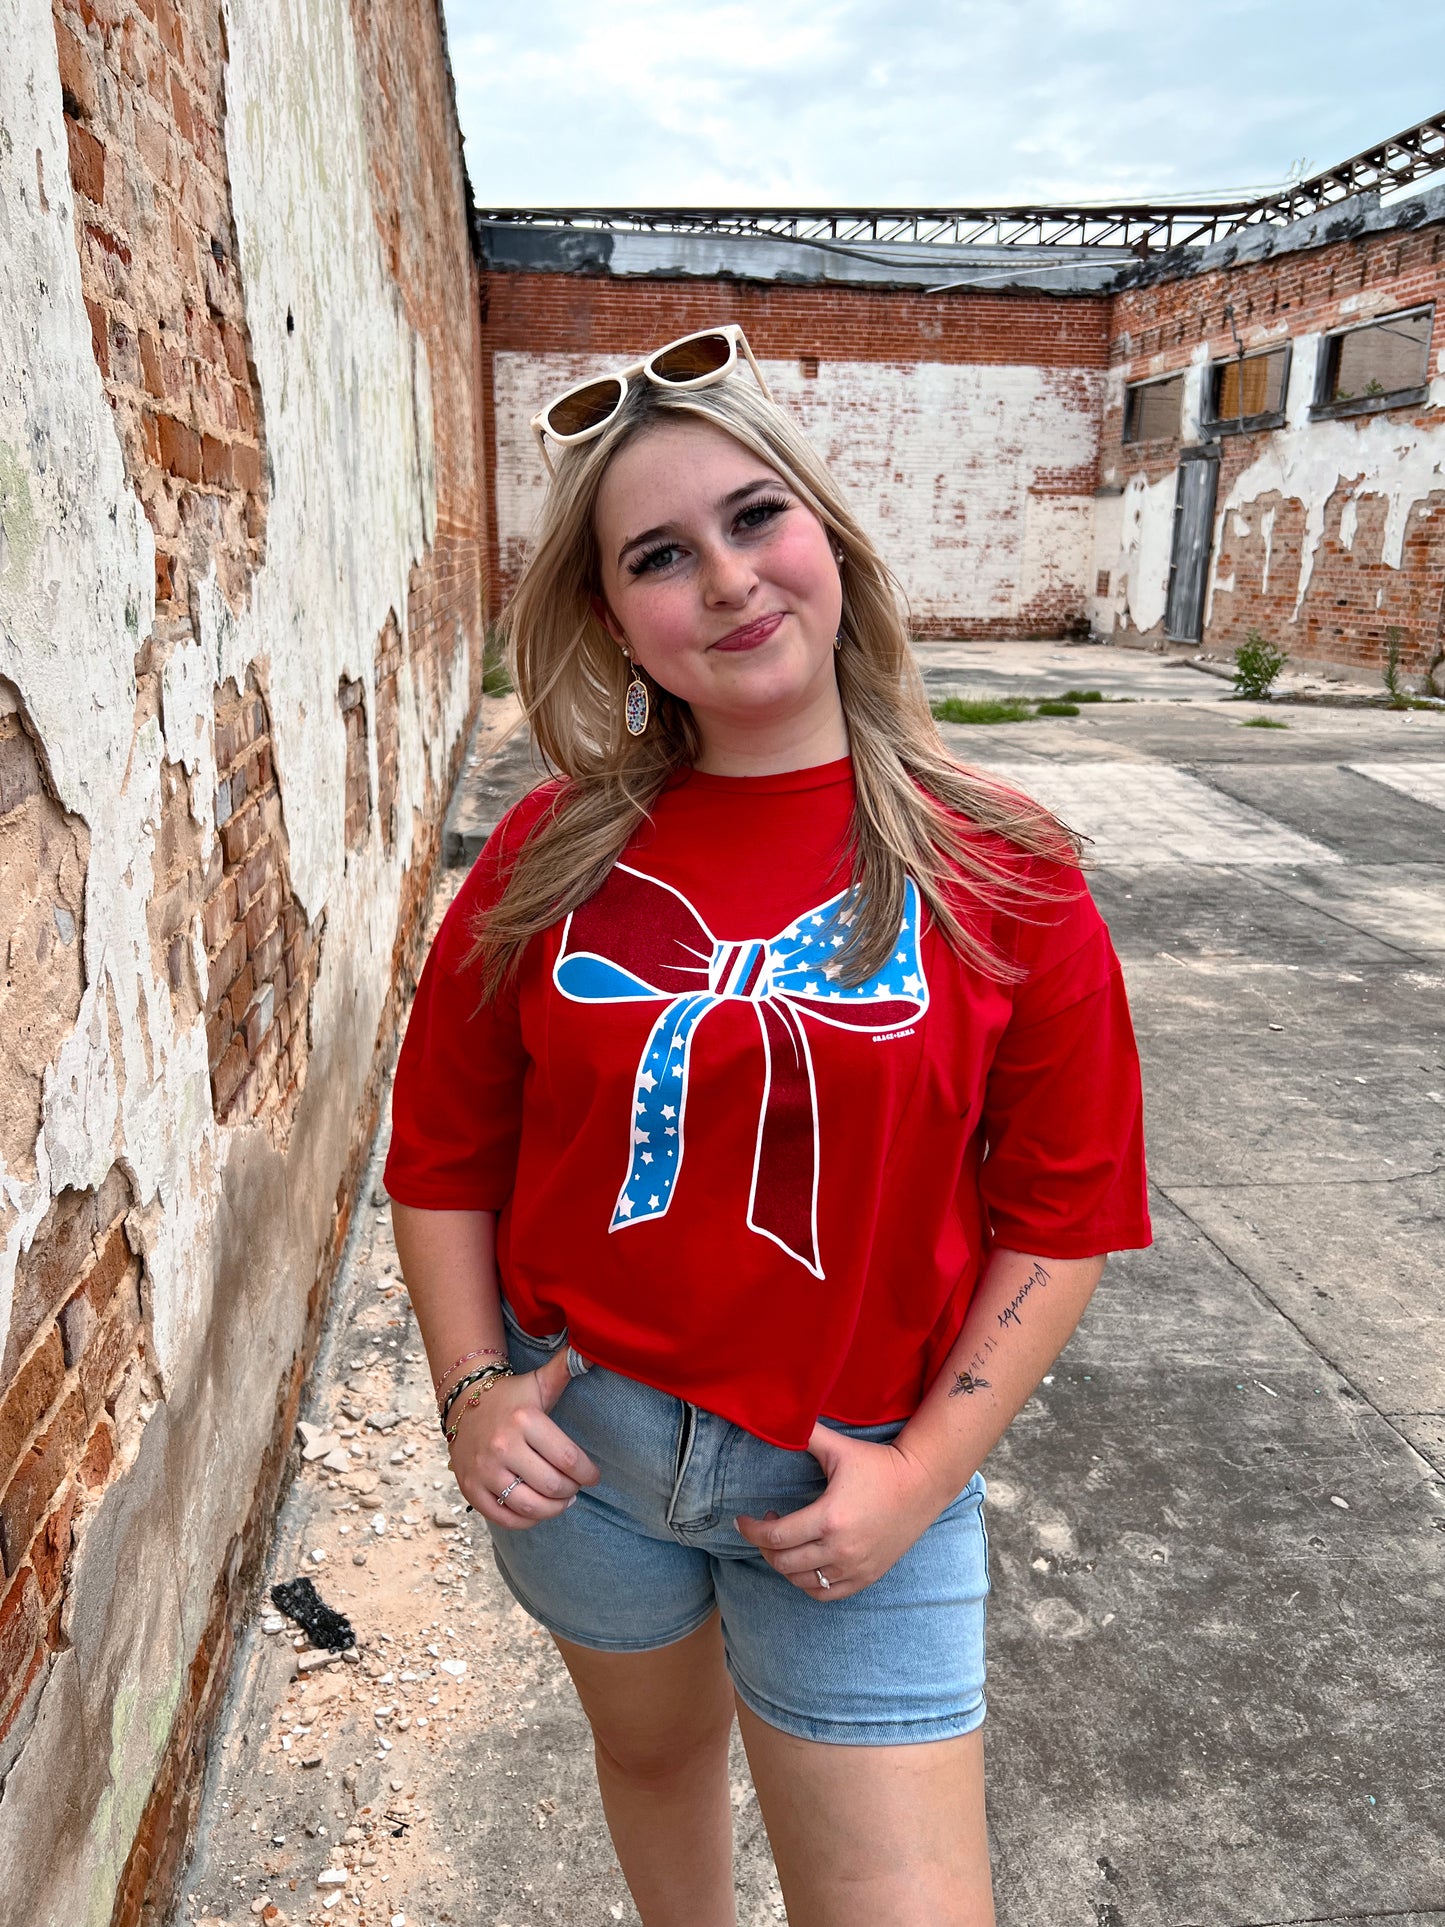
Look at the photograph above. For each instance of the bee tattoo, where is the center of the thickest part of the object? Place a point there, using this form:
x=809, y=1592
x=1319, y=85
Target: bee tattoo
x=967, y=1382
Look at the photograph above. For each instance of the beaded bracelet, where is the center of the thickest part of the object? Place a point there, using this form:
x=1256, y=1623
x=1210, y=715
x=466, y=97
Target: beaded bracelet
x=461, y=1385
x=488, y=1380
x=482, y=1351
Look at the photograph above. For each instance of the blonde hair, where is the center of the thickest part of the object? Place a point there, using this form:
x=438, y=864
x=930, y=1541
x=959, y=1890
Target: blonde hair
x=910, y=794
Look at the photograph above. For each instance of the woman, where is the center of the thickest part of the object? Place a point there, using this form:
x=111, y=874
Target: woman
x=766, y=1113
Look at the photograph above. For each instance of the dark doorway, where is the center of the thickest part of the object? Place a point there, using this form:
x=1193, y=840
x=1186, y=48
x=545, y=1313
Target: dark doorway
x=1193, y=529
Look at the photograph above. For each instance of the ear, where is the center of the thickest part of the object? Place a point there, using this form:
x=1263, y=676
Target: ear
x=609, y=621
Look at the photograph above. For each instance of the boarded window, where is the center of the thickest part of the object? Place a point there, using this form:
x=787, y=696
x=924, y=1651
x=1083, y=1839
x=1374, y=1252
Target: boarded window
x=1243, y=390
x=1389, y=357
x=1152, y=409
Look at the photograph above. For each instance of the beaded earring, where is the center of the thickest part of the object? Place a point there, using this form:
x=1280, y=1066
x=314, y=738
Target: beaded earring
x=637, y=705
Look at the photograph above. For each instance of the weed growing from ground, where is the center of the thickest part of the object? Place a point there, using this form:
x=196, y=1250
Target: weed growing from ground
x=1263, y=722
x=983, y=709
x=495, y=680
x=1056, y=706
x=1390, y=675
x=1256, y=665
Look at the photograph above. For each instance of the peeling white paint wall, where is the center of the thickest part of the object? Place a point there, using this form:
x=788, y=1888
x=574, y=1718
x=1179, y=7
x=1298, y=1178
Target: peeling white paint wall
x=938, y=460
x=77, y=574
x=1308, y=461
x=1305, y=461
x=348, y=422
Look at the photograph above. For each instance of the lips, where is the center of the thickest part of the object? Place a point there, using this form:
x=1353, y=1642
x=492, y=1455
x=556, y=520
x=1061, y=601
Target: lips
x=752, y=633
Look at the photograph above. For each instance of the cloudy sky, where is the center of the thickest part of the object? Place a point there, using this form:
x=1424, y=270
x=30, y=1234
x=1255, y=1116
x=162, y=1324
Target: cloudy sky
x=847, y=102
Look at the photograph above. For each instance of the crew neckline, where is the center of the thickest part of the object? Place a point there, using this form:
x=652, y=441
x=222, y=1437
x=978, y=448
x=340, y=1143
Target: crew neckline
x=816, y=777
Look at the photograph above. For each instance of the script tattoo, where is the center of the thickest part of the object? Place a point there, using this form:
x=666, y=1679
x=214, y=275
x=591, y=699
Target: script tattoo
x=967, y=1382
x=1010, y=1313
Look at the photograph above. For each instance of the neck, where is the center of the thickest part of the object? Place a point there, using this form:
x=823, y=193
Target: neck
x=768, y=746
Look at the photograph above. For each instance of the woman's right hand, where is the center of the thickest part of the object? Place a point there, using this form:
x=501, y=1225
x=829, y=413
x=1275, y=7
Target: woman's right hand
x=507, y=1435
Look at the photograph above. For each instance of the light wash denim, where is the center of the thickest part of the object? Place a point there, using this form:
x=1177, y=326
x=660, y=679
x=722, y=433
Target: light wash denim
x=649, y=1552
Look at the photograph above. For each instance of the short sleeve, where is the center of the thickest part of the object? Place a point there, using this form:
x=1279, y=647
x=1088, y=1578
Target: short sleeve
x=457, y=1096
x=1063, y=1173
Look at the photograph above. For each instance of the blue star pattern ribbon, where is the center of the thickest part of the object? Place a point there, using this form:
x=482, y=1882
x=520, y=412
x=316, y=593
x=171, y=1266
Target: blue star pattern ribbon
x=638, y=939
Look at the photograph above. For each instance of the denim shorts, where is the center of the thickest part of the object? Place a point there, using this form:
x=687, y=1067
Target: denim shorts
x=647, y=1554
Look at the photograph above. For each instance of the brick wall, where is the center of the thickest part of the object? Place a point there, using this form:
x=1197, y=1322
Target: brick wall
x=262, y=949
x=1330, y=537
x=144, y=117
x=964, y=427
x=73, y=1362
x=1328, y=534
x=204, y=822
x=388, y=739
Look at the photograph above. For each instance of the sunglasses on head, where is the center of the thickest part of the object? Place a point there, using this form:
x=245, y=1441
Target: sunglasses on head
x=693, y=361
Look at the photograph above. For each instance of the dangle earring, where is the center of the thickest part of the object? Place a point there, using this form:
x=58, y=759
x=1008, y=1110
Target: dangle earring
x=838, y=640
x=637, y=705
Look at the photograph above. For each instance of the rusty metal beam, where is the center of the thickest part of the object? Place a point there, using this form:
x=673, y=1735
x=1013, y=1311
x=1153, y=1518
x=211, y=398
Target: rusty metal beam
x=1144, y=227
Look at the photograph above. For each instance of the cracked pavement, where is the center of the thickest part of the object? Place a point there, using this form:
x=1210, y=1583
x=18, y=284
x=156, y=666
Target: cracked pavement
x=1217, y=1530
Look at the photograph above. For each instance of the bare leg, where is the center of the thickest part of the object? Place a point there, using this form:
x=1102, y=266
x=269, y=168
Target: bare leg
x=661, y=1722
x=874, y=1836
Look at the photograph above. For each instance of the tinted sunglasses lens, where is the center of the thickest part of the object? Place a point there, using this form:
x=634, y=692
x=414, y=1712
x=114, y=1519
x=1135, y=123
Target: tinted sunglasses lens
x=585, y=407
x=686, y=360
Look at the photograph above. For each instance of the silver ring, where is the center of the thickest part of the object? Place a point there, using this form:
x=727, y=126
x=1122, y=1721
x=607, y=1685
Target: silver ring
x=502, y=1496
x=824, y=1583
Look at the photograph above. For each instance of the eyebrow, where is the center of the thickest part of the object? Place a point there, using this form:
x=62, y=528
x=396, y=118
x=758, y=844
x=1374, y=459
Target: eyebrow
x=727, y=501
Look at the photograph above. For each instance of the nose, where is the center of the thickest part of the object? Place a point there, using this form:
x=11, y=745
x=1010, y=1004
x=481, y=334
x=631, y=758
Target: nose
x=728, y=576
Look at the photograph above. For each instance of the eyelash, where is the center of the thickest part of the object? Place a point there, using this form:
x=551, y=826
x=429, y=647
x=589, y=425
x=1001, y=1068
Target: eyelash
x=778, y=504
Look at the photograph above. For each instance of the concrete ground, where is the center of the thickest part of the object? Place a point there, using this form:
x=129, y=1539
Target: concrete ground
x=1218, y=1530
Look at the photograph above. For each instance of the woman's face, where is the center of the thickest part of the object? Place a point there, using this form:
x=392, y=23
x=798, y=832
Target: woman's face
x=719, y=581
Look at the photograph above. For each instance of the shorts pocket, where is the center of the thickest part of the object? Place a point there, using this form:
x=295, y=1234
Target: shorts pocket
x=881, y=1432
x=525, y=1339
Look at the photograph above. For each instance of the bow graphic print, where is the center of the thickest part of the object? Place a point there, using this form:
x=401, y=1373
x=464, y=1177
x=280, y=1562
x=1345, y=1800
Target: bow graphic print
x=639, y=940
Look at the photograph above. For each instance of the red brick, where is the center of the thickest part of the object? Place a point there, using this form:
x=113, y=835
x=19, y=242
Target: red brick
x=243, y=990
x=150, y=363
x=113, y=1272
x=180, y=448
x=111, y=1344
x=246, y=466
x=268, y=954
x=38, y=1476
x=29, y=1398
x=215, y=462
x=258, y=870
x=229, y=1072
x=20, y=1691
x=224, y=966
x=219, y=1026
x=87, y=162
x=99, y=1456
x=169, y=27
x=239, y=833
x=218, y=917
x=99, y=335
x=77, y=75
x=47, y=1272
x=22, y=1622
x=50, y=1550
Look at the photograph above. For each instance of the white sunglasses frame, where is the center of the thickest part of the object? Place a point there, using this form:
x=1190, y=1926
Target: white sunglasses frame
x=736, y=339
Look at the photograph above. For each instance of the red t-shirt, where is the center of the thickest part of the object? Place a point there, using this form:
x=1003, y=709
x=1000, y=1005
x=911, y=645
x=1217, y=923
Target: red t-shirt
x=851, y=1154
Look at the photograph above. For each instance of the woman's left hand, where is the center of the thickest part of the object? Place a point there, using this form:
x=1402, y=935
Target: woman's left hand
x=879, y=1500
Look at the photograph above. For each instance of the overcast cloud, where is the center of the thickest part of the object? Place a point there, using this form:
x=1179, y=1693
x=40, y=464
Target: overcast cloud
x=803, y=102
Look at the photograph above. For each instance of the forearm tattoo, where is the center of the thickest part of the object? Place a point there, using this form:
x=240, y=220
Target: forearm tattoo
x=1010, y=1313
x=971, y=1379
